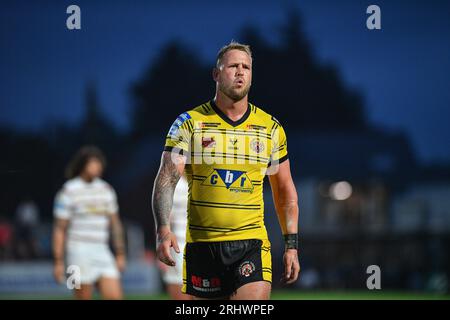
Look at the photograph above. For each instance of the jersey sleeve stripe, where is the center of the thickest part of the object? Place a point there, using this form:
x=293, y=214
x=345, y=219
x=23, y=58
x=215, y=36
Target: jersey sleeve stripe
x=283, y=159
x=177, y=150
x=280, y=161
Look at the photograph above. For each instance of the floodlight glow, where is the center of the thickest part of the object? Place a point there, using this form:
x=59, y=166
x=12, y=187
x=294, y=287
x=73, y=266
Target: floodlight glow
x=341, y=190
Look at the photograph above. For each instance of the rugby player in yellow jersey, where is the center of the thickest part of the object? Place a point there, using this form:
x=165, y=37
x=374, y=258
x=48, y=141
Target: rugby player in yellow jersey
x=226, y=147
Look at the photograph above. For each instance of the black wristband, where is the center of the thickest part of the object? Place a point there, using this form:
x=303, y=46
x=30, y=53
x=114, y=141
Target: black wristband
x=291, y=241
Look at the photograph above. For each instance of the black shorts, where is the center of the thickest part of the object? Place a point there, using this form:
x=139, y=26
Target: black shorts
x=218, y=269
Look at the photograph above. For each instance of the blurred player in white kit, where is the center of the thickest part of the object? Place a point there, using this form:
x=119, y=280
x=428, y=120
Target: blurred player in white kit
x=173, y=276
x=86, y=215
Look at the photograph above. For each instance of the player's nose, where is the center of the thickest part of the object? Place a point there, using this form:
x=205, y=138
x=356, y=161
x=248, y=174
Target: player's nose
x=239, y=71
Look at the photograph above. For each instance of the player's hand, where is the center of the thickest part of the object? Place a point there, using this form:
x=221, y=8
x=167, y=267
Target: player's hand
x=291, y=266
x=58, y=271
x=121, y=262
x=162, y=266
x=165, y=242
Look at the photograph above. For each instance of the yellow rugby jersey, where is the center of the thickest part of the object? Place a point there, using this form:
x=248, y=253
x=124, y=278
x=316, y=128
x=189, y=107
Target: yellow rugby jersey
x=226, y=164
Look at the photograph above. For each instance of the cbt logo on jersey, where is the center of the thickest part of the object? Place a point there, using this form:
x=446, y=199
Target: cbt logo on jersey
x=233, y=180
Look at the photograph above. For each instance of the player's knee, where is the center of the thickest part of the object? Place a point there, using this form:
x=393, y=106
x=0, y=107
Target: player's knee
x=83, y=294
x=113, y=295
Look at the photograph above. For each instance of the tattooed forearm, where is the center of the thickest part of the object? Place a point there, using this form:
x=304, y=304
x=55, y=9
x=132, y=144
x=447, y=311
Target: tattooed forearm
x=163, y=190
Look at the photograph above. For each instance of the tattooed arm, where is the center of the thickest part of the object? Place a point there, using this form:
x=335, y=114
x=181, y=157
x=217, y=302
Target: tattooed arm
x=170, y=171
x=285, y=199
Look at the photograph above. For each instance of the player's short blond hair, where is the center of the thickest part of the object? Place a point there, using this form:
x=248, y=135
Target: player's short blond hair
x=233, y=45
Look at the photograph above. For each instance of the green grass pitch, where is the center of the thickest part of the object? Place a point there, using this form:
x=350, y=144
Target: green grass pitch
x=279, y=295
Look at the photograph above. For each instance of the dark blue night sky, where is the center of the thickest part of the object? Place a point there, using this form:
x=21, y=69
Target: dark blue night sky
x=402, y=70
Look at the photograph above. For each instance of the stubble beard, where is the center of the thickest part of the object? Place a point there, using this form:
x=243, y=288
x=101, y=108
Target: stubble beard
x=233, y=94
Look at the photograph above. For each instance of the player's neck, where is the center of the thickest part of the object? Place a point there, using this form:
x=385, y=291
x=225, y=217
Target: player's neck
x=87, y=178
x=232, y=109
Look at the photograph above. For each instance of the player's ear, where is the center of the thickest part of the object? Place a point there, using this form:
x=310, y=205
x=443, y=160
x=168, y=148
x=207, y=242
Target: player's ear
x=215, y=73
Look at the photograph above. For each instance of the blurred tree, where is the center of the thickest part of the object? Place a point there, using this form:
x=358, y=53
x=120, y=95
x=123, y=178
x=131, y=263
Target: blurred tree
x=175, y=82
x=287, y=82
x=300, y=92
x=33, y=165
x=95, y=128
x=25, y=168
